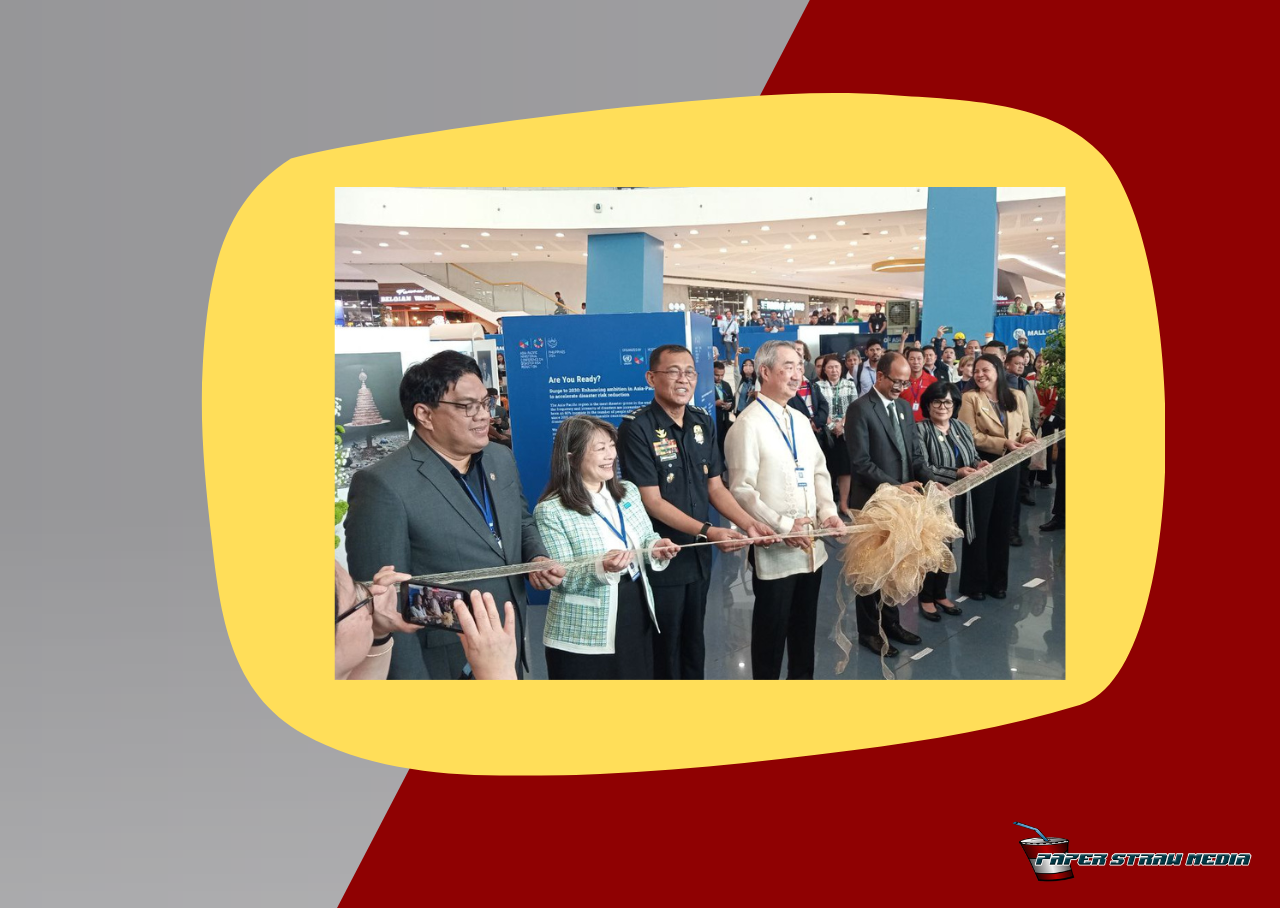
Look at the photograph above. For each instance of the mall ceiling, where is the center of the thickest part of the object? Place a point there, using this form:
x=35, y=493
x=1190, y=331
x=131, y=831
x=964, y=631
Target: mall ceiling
x=832, y=254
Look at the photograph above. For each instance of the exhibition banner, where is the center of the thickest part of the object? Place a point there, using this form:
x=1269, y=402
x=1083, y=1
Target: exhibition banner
x=1036, y=326
x=596, y=364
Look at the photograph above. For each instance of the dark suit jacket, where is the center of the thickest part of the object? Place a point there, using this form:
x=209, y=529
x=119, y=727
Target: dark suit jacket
x=873, y=448
x=408, y=510
x=820, y=409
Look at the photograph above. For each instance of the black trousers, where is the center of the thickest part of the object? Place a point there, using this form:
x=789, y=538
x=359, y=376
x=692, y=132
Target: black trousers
x=632, y=656
x=984, y=566
x=868, y=621
x=935, y=586
x=679, y=647
x=1060, y=476
x=785, y=616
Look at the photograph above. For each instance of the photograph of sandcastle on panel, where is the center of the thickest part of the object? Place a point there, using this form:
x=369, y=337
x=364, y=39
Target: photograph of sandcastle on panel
x=373, y=425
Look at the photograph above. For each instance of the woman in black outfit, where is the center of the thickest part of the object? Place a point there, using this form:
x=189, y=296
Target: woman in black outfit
x=949, y=449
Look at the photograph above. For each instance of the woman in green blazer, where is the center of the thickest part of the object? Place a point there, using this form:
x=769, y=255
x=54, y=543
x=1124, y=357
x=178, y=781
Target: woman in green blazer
x=601, y=617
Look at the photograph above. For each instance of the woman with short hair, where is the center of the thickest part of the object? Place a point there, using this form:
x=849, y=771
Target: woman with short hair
x=601, y=617
x=839, y=393
x=951, y=454
x=746, y=385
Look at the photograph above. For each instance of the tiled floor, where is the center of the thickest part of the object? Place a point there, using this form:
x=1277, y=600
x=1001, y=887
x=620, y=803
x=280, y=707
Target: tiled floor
x=1020, y=637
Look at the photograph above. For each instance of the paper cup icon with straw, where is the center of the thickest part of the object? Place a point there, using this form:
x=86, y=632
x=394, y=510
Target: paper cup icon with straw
x=1043, y=844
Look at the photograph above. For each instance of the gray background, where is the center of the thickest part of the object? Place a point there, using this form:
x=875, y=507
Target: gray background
x=146, y=771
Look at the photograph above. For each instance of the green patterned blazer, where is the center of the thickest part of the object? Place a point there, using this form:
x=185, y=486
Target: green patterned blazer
x=582, y=616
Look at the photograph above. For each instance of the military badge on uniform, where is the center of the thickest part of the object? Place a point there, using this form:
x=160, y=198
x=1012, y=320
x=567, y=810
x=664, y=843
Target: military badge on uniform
x=660, y=433
x=697, y=435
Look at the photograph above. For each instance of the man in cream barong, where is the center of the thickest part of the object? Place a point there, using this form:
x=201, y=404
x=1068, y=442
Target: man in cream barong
x=779, y=476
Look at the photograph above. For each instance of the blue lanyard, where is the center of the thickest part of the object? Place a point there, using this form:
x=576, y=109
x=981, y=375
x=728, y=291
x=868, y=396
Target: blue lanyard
x=486, y=507
x=955, y=449
x=791, y=442
x=620, y=533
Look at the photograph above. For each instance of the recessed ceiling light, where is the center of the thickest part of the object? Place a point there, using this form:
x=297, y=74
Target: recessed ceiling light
x=482, y=233
x=1062, y=253
x=1050, y=239
x=848, y=255
x=384, y=245
x=677, y=246
x=465, y=246
x=789, y=261
x=832, y=262
x=515, y=253
x=999, y=233
x=722, y=249
x=884, y=233
x=1054, y=246
x=787, y=246
x=584, y=255
x=439, y=253
x=921, y=237
x=813, y=236
x=744, y=242
x=1037, y=220
x=404, y=233
x=693, y=232
x=356, y=252
x=561, y=235
x=915, y=248
x=765, y=227
x=839, y=223
x=537, y=247
x=753, y=272
x=853, y=242
x=891, y=258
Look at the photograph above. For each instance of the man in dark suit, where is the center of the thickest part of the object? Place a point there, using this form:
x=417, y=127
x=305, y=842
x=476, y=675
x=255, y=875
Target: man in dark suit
x=446, y=501
x=883, y=447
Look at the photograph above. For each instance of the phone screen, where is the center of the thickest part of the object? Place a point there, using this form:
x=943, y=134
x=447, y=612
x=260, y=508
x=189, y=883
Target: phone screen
x=430, y=606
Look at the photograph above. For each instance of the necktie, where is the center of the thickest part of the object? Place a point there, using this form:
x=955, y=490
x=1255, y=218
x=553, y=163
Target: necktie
x=897, y=433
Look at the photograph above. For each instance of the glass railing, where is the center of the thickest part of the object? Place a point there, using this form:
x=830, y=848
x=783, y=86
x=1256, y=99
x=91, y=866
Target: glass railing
x=506, y=296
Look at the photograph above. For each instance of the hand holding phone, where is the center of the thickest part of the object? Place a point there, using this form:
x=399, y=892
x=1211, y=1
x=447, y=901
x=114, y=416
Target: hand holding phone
x=430, y=606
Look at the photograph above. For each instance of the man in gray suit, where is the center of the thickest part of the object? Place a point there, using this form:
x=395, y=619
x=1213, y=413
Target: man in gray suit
x=446, y=501
x=883, y=447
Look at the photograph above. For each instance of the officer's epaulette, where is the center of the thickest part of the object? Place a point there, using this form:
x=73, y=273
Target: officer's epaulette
x=698, y=409
x=636, y=412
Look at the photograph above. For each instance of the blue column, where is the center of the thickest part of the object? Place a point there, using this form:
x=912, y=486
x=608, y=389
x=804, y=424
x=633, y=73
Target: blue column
x=624, y=273
x=960, y=261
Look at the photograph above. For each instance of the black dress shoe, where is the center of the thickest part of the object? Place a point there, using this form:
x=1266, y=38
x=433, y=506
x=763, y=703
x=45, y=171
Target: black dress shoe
x=1054, y=524
x=979, y=597
x=1015, y=539
x=929, y=616
x=999, y=594
x=949, y=609
x=901, y=634
x=1027, y=499
x=874, y=644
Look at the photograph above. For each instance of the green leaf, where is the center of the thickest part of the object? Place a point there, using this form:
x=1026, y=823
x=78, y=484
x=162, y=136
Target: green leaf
x=339, y=511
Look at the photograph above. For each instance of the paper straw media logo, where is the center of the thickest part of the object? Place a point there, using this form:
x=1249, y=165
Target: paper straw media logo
x=1051, y=857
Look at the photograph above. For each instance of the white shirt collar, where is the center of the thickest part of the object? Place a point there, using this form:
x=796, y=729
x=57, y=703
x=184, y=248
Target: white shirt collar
x=887, y=401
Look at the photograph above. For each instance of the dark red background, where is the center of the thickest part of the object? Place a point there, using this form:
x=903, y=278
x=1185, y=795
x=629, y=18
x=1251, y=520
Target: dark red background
x=1172, y=756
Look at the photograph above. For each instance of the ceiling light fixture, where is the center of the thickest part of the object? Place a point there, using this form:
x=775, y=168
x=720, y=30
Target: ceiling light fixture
x=515, y=253
x=584, y=255
x=789, y=261
x=439, y=253
x=787, y=246
x=921, y=237
x=915, y=248
x=537, y=247
x=848, y=255
x=384, y=245
x=1050, y=239
x=356, y=252
x=560, y=235
x=853, y=242
x=884, y=233
x=899, y=266
x=465, y=246
x=1037, y=220
x=722, y=249
x=813, y=236
x=832, y=262
x=677, y=246
x=839, y=223
x=744, y=242
x=404, y=233
x=765, y=227
x=1054, y=246
x=483, y=233
x=693, y=233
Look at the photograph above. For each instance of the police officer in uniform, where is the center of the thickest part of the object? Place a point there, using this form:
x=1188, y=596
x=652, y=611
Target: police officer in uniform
x=669, y=449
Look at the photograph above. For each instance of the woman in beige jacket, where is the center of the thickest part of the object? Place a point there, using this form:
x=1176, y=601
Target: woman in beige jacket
x=998, y=418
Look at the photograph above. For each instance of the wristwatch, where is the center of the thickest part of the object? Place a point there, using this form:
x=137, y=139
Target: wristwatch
x=702, y=533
